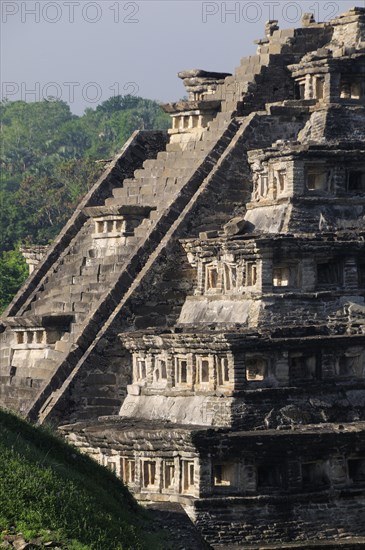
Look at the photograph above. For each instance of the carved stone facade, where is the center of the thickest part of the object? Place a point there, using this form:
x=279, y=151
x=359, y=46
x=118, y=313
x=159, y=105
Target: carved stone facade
x=199, y=325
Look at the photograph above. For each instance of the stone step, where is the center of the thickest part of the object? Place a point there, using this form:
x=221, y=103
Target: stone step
x=81, y=307
x=186, y=161
x=46, y=364
x=80, y=317
x=91, y=269
x=22, y=389
x=179, y=148
x=200, y=151
x=155, y=215
x=71, y=259
x=5, y=358
x=63, y=347
x=66, y=337
x=40, y=372
x=149, y=198
x=149, y=185
x=123, y=200
x=143, y=229
x=153, y=171
x=164, y=155
x=119, y=258
x=180, y=172
x=77, y=252
x=243, y=74
x=152, y=187
x=143, y=173
x=45, y=306
x=58, y=281
x=174, y=147
x=135, y=190
x=175, y=169
x=75, y=330
x=90, y=297
x=85, y=280
x=126, y=182
x=11, y=385
x=116, y=258
x=54, y=354
x=107, y=276
x=69, y=337
x=110, y=269
x=147, y=182
x=57, y=293
x=173, y=157
x=153, y=168
x=76, y=296
x=120, y=191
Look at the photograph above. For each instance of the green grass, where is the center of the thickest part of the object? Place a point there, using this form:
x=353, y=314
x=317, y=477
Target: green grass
x=49, y=489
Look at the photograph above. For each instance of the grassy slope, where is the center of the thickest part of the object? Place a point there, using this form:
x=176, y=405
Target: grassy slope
x=46, y=487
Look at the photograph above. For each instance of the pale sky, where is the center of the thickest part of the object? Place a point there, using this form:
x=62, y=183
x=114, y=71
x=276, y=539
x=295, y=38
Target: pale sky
x=86, y=51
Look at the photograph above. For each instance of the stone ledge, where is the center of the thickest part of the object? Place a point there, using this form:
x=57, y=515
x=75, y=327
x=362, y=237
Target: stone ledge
x=124, y=210
x=42, y=321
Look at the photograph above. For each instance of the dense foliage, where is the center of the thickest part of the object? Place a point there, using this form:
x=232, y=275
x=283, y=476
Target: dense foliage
x=48, y=162
x=13, y=271
x=50, y=490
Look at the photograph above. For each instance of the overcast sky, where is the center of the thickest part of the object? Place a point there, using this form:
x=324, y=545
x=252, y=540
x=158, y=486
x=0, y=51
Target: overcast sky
x=86, y=51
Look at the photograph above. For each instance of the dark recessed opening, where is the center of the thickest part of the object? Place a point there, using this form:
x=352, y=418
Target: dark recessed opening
x=314, y=475
x=356, y=468
x=270, y=476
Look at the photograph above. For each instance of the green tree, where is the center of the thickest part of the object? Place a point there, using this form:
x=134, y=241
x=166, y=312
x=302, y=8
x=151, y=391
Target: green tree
x=48, y=201
x=27, y=130
x=13, y=272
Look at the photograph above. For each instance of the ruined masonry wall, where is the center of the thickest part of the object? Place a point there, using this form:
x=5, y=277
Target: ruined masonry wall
x=284, y=519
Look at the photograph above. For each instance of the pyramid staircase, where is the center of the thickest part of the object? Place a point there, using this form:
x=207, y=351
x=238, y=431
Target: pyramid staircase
x=74, y=281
